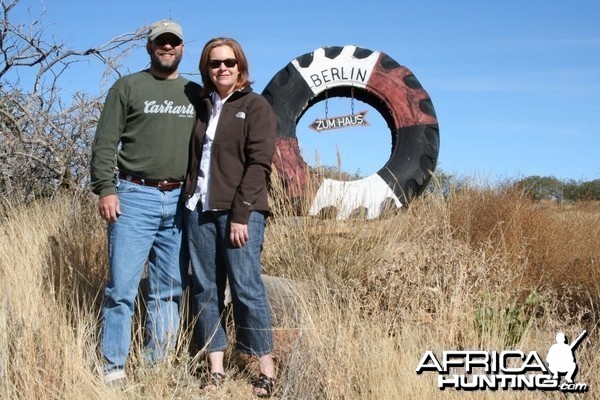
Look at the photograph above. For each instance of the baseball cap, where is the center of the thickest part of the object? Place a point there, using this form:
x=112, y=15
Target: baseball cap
x=164, y=26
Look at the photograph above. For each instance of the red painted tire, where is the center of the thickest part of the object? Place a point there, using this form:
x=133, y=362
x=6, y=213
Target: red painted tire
x=378, y=80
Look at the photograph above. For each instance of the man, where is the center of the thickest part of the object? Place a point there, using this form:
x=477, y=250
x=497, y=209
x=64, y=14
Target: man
x=560, y=358
x=145, y=126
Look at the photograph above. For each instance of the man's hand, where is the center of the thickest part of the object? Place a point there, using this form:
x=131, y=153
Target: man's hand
x=238, y=234
x=109, y=208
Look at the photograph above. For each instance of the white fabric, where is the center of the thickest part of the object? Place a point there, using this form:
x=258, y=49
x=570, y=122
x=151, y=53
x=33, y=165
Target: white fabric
x=202, y=192
x=370, y=193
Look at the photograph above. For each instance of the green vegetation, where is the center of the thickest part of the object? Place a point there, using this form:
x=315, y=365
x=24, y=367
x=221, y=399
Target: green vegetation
x=550, y=188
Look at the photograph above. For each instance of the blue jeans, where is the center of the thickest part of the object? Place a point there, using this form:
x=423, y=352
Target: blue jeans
x=214, y=261
x=149, y=229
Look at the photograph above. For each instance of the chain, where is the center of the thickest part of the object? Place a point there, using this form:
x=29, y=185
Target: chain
x=352, y=99
x=326, y=103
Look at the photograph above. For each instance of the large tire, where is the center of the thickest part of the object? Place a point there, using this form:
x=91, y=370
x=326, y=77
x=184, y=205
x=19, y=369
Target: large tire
x=376, y=79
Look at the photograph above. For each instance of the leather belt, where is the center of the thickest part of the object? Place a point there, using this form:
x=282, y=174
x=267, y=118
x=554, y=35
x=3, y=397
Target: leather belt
x=163, y=185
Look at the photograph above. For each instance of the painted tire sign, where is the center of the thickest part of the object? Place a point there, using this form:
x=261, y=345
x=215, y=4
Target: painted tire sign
x=376, y=79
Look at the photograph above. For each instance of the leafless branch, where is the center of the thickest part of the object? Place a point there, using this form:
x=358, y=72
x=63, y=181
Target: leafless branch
x=46, y=137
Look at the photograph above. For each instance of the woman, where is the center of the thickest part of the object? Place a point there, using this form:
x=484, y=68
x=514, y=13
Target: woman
x=226, y=208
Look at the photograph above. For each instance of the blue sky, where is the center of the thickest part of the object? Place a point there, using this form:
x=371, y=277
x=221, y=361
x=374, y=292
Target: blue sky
x=515, y=84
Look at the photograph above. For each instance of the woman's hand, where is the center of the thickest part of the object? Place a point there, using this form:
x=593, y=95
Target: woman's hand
x=238, y=234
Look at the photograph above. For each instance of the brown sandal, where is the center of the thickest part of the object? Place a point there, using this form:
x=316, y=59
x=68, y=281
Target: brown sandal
x=264, y=383
x=213, y=382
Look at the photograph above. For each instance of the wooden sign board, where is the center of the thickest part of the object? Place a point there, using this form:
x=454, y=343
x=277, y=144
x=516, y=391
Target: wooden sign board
x=344, y=121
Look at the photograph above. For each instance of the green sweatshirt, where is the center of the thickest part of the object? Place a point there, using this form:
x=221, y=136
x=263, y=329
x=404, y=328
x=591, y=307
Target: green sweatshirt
x=146, y=125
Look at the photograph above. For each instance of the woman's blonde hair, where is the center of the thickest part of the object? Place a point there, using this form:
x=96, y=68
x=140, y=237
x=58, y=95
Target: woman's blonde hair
x=242, y=64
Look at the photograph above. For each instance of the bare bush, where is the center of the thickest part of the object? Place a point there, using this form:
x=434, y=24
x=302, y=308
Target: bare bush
x=45, y=137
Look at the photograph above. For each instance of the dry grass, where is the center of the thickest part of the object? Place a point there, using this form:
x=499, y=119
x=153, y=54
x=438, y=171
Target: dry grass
x=558, y=244
x=482, y=269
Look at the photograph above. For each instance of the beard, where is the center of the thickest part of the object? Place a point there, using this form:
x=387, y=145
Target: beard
x=165, y=66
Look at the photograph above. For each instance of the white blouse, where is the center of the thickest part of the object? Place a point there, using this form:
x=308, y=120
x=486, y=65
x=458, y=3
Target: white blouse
x=202, y=192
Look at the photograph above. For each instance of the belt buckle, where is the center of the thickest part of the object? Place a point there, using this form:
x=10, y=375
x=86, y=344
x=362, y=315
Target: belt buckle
x=166, y=185
x=160, y=184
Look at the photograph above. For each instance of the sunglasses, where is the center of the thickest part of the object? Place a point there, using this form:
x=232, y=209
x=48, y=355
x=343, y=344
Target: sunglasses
x=173, y=41
x=229, y=63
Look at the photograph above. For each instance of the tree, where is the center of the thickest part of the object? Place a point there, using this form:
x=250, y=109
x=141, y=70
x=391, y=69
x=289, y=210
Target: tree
x=589, y=190
x=570, y=189
x=445, y=184
x=542, y=187
x=45, y=138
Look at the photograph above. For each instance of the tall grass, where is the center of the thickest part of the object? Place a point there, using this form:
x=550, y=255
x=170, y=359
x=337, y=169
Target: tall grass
x=478, y=269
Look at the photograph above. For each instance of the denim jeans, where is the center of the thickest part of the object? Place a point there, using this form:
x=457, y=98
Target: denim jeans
x=150, y=230
x=214, y=261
